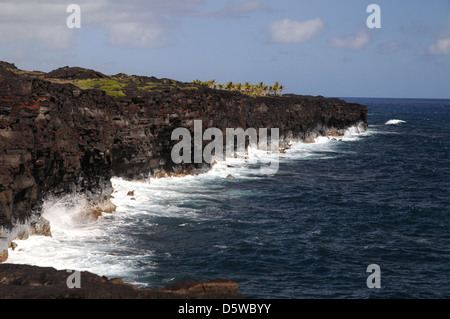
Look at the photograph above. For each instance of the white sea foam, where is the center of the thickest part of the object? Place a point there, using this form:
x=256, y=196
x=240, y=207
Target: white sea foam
x=324, y=146
x=77, y=245
x=394, y=122
x=106, y=247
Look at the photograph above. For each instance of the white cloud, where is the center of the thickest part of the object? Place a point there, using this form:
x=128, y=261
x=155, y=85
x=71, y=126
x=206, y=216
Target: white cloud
x=289, y=31
x=441, y=46
x=43, y=21
x=137, y=23
x=134, y=34
x=127, y=24
x=140, y=23
x=353, y=41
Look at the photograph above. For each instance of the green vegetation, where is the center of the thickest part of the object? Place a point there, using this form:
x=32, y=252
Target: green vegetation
x=121, y=85
x=110, y=86
x=246, y=88
x=149, y=86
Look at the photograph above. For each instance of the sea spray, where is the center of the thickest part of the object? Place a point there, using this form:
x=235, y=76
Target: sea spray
x=214, y=150
x=122, y=244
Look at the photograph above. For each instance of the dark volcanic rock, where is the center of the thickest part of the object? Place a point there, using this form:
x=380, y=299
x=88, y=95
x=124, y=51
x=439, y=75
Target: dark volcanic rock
x=31, y=282
x=7, y=65
x=74, y=73
x=5, y=69
x=50, y=142
x=56, y=138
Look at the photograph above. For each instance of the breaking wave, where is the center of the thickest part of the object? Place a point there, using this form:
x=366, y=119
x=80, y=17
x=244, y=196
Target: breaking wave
x=394, y=122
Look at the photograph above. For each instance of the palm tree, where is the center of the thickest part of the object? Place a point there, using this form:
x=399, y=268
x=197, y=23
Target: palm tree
x=259, y=87
x=256, y=89
x=265, y=88
x=247, y=87
x=212, y=83
x=275, y=87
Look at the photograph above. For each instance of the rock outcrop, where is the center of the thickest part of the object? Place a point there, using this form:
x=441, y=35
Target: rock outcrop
x=58, y=138
x=31, y=282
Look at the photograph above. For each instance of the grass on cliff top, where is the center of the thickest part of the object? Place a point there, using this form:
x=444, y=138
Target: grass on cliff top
x=149, y=86
x=110, y=86
x=121, y=84
x=114, y=85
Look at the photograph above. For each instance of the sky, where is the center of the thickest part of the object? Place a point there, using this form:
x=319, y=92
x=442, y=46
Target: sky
x=314, y=47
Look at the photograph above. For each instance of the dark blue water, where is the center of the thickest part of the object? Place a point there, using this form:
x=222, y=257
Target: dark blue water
x=311, y=230
x=308, y=231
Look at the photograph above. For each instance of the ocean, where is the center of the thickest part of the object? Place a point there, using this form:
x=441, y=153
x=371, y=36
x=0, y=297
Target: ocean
x=309, y=231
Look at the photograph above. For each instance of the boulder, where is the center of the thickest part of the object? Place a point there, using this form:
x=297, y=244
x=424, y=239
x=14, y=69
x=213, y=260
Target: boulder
x=3, y=255
x=12, y=245
x=94, y=211
x=40, y=227
x=335, y=132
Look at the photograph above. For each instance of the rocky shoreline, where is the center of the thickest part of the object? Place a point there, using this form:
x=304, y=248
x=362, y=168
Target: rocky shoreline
x=31, y=282
x=71, y=130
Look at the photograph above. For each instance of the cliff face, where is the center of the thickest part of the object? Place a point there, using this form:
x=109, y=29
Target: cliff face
x=56, y=138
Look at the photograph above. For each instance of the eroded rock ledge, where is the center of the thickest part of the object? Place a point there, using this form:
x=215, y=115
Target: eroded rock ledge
x=31, y=282
x=57, y=138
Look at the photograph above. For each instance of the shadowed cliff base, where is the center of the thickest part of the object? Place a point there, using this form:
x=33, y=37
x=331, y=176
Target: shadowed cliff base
x=31, y=282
